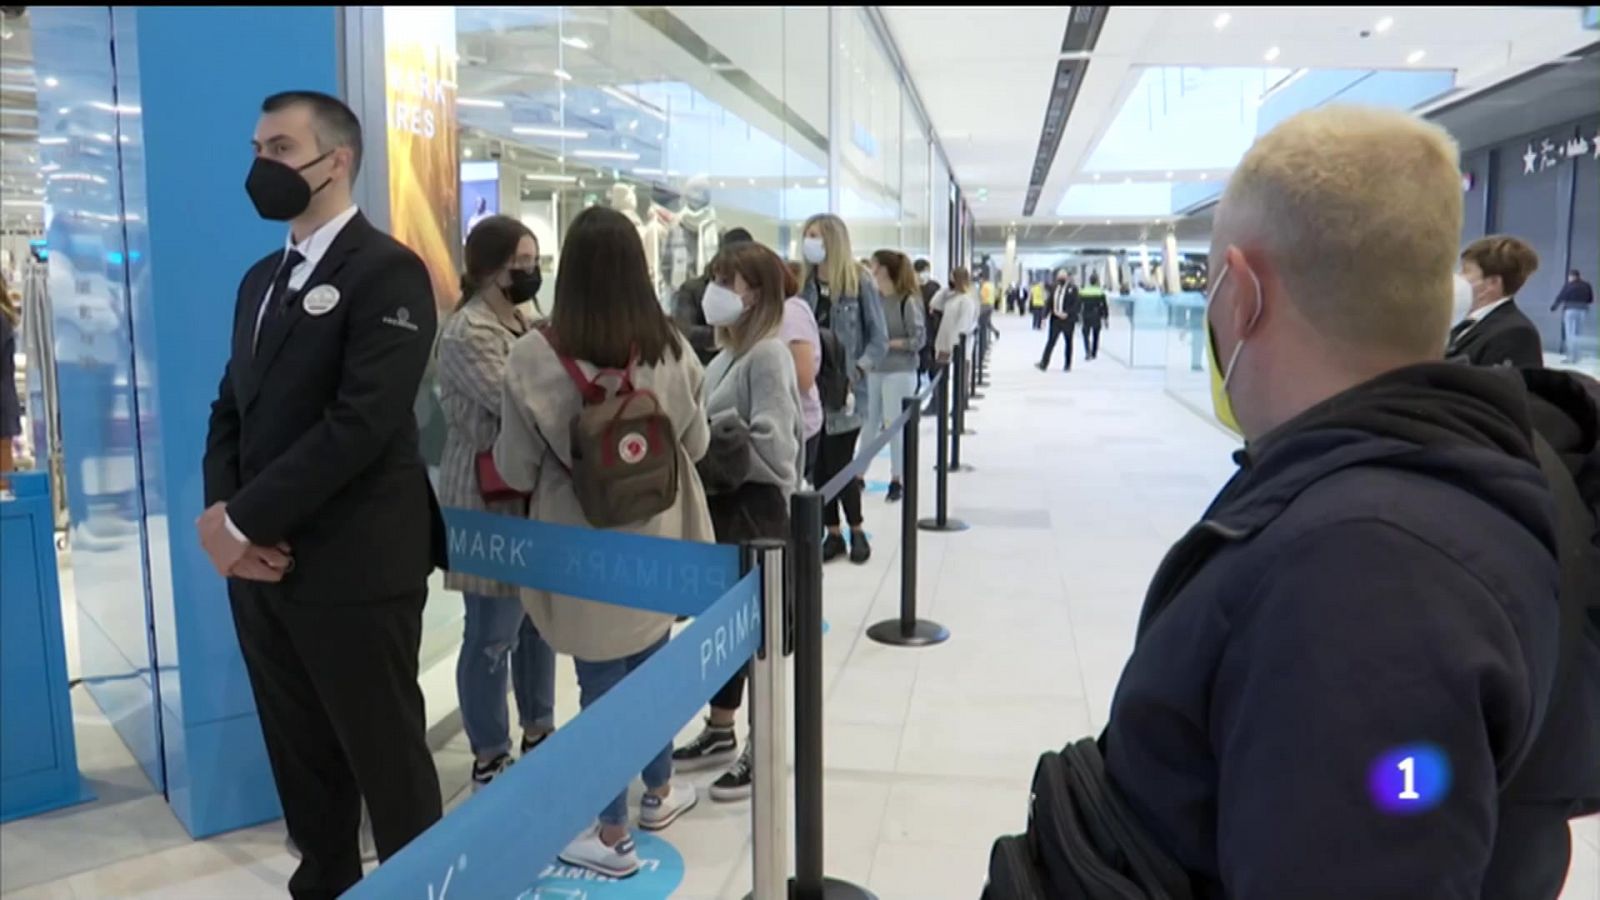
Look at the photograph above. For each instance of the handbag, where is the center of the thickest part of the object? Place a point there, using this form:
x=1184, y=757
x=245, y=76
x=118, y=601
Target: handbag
x=491, y=486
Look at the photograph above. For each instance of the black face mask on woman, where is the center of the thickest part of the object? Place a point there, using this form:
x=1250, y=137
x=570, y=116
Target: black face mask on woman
x=278, y=191
x=524, y=284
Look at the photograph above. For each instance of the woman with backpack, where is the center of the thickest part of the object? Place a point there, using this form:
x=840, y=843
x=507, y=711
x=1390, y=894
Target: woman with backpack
x=758, y=436
x=895, y=379
x=846, y=306
x=499, y=640
x=608, y=341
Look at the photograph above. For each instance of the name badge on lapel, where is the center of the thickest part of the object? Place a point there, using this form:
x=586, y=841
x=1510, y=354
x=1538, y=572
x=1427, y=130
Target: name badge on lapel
x=321, y=300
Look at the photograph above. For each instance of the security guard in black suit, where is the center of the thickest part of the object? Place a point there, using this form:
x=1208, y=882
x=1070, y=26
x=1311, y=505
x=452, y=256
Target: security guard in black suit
x=319, y=509
x=1495, y=332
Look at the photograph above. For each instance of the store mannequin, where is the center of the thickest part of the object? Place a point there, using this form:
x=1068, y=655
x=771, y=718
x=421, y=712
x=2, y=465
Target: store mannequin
x=624, y=200
x=699, y=223
x=652, y=233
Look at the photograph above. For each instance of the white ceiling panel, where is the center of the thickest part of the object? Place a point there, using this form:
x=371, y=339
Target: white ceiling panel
x=985, y=73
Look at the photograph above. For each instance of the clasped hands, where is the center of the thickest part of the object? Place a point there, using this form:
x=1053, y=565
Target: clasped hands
x=234, y=558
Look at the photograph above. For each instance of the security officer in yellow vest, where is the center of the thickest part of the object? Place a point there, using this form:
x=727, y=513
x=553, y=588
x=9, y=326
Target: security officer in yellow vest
x=319, y=510
x=1096, y=315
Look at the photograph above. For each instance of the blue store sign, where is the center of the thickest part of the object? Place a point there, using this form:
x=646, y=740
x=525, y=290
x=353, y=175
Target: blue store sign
x=660, y=873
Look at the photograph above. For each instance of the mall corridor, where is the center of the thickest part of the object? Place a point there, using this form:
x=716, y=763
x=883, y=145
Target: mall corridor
x=461, y=453
x=929, y=751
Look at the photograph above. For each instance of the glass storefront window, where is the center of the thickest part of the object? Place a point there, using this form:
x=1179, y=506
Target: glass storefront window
x=689, y=120
x=869, y=157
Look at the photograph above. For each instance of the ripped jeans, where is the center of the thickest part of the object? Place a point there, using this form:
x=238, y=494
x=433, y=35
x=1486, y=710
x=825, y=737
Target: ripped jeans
x=501, y=643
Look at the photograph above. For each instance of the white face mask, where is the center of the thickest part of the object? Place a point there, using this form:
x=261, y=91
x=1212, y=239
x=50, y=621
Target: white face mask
x=722, y=306
x=814, y=250
x=1462, y=303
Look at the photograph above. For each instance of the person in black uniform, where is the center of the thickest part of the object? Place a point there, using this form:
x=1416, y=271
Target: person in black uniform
x=319, y=510
x=1065, y=307
x=1495, y=332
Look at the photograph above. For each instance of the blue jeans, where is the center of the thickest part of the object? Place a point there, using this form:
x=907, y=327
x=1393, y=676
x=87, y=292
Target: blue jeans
x=1571, y=326
x=498, y=630
x=886, y=391
x=594, y=680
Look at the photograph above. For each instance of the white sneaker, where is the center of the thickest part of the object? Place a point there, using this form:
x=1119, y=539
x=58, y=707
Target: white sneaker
x=587, y=851
x=656, y=813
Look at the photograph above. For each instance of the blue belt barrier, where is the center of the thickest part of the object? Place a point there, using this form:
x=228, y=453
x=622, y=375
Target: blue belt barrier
x=650, y=573
x=495, y=846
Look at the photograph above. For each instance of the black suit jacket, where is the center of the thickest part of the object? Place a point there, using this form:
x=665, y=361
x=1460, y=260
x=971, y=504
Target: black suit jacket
x=1503, y=337
x=313, y=440
x=1071, y=303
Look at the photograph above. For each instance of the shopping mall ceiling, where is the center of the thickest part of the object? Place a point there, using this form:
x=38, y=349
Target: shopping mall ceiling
x=1160, y=101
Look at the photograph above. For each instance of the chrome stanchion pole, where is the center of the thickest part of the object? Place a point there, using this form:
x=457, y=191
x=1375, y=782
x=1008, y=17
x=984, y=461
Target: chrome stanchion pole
x=769, y=737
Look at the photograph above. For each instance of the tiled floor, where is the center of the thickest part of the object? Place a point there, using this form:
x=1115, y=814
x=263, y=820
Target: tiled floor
x=1080, y=483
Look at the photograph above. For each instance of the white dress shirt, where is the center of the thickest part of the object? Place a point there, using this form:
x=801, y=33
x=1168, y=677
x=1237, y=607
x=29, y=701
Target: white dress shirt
x=313, y=248
x=1478, y=315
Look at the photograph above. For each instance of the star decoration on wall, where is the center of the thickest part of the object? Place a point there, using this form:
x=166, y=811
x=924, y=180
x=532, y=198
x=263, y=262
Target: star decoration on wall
x=1529, y=159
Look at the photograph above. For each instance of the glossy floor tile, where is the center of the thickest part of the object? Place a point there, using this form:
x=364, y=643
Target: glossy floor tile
x=1080, y=482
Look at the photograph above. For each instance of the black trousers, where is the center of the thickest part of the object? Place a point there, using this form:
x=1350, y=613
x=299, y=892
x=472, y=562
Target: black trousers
x=1059, y=328
x=813, y=447
x=336, y=690
x=1091, y=338
x=1038, y=318
x=835, y=454
x=1532, y=851
x=752, y=512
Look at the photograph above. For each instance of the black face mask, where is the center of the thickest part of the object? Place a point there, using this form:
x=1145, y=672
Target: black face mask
x=278, y=191
x=524, y=285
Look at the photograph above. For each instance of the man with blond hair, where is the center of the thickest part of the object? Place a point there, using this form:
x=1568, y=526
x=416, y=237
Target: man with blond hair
x=1339, y=667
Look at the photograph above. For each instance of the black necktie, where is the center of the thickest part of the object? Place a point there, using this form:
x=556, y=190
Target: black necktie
x=1460, y=329
x=280, y=284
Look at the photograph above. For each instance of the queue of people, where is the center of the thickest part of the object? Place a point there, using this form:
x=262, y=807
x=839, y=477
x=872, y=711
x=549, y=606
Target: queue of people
x=1268, y=646
x=764, y=377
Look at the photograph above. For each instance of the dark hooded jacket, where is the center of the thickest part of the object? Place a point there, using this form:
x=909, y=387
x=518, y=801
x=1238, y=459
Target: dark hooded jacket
x=1379, y=574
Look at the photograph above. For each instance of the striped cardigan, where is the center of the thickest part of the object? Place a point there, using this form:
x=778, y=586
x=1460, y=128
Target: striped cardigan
x=473, y=347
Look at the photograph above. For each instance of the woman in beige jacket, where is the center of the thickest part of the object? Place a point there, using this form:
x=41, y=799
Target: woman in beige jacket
x=605, y=314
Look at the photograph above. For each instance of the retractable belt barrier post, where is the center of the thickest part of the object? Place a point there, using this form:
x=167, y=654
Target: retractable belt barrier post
x=908, y=630
x=985, y=343
x=507, y=836
x=958, y=409
x=964, y=384
x=810, y=879
x=980, y=346
x=941, y=520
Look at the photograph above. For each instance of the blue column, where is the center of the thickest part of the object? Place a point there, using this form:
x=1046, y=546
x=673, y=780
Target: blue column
x=186, y=89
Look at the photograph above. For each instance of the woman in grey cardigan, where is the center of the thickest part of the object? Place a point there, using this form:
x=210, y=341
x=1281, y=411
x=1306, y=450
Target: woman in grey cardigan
x=895, y=380
x=502, y=262
x=753, y=402
x=847, y=304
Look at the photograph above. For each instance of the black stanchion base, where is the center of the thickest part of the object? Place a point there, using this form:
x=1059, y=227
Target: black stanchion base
x=974, y=396
x=950, y=526
x=958, y=470
x=832, y=889
x=922, y=633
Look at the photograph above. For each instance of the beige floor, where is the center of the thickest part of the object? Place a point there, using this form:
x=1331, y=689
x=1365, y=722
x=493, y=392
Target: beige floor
x=1081, y=483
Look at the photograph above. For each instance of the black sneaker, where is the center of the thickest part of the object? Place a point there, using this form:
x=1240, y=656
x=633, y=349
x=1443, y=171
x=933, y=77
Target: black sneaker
x=834, y=547
x=860, y=550
x=897, y=491
x=734, y=783
x=714, y=747
x=528, y=745
x=1041, y=367
x=485, y=772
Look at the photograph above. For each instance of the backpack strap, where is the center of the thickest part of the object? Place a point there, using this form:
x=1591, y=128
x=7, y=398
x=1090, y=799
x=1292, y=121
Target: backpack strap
x=591, y=392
